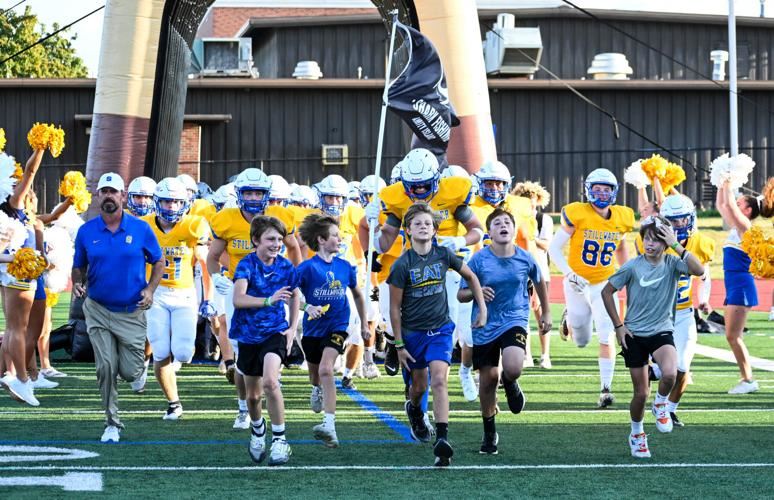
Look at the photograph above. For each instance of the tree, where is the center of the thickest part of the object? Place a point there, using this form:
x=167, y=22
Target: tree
x=54, y=58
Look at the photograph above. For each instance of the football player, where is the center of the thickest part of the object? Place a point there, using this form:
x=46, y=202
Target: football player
x=196, y=205
x=173, y=315
x=280, y=191
x=231, y=234
x=595, y=231
x=139, y=199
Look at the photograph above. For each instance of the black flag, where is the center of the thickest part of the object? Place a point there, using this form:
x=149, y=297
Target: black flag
x=419, y=94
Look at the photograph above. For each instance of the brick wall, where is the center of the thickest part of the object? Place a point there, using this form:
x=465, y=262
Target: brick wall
x=225, y=22
x=190, y=150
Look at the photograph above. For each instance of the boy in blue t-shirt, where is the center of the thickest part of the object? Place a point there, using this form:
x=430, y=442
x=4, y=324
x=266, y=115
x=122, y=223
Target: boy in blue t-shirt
x=419, y=313
x=264, y=282
x=504, y=270
x=324, y=280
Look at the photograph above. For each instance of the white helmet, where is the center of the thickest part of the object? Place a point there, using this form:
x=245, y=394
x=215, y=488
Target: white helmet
x=190, y=184
x=681, y=212
x=171, y=189
x=280, y=189
x=354, y=191
x=140, y=186
x=224, y=196
x=454, y=171
x=370, y=185
x=304, y=196
x=252, y=179
x=395, y=174
x=332, y=185
x=493, y=170
x=419, y=169
x=605, y=177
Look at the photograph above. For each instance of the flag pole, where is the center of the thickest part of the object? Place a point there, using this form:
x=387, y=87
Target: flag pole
x=379, y=145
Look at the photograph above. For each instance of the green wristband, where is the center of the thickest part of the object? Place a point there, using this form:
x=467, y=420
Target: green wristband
x=267, y=302
x=674, y=245
x=399, y=344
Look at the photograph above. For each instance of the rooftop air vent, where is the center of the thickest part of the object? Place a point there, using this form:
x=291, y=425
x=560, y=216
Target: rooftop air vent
x=610, y=66
x=512, y=51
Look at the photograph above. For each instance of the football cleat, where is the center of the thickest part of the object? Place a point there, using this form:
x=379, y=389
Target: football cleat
x=346, y=383
x=326, y=434
x=606, y=398
x=316, y=399
x=371, y=371
x=419, y=430
x=257, y=447
x=280, y=452
x=443, y=452
x=676, y=422
x=242, y=420
x=230, y=372
x=545, y=363
x=112, y=434
x=639, y=445
x=174, y=412
x=469, y=389
x=564, y=328
x=489, y=444
x=744, y=387
x=663, y=420
x=516, y=398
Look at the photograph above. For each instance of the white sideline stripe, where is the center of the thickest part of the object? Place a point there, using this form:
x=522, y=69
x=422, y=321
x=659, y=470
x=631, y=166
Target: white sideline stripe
x=726, y=355
x=639, y=465
x=361, y=412
x=71, y=481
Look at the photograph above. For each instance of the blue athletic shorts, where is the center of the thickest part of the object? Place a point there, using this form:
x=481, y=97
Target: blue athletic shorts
x=429, y=345
x=40, y=291
x=740, y=289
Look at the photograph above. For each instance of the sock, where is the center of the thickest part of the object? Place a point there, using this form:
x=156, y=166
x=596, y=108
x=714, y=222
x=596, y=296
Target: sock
x=347, y=372
x=660, y=399
x=278, y=431
x=329, y=419
x=606, y=370
x=489, y=425
x=174, y=404
x=464, y=370
x=259, y=427
x=229, y=362
x=637, y=428
x=442, y=430
x=672, y=407
x=368, y=356
x=242, y=405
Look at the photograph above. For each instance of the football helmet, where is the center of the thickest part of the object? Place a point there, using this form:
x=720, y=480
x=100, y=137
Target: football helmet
x=332, y=185
x=368, y=186
x=190, y=185
x=280, y=189
x=225, y=195
x=303, y=196
x=252, y=179
x=681, y=212
x=493, y=170
x=419, y=170
x=170, y=189
x=140, y=186
x=354, y=191
x=395, y=174
x=605, y=177
x=455, y=171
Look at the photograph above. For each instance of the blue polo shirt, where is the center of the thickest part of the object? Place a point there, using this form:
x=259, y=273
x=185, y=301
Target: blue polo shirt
x=116, y=261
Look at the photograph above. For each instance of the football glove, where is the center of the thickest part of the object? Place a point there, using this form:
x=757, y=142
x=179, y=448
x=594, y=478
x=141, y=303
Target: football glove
x=453, y=243
x=577, y=283
x=207, y=310
x=222, y=284
x=376, y=266
x=372, y=211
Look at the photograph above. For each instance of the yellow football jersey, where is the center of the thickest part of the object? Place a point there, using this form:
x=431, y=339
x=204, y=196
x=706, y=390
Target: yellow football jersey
x=518, y=206
x=595, y=239
x=701, y=247
x=299, y=213
x=200, y=207
x=230, y=226
x=350, y=243
x=452, y=193
x=177, y=248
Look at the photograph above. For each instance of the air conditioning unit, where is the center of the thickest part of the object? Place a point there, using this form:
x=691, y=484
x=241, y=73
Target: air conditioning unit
x=512, y=51
x=335, y=154
x=224, y=57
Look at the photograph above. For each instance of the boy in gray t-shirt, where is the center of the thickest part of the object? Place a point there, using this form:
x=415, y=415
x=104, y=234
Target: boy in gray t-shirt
x=651, y=285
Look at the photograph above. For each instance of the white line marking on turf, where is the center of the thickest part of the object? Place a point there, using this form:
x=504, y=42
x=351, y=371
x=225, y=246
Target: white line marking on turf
x=726, y=355
x=639, y=465
x=72, y=481
x=25, y=454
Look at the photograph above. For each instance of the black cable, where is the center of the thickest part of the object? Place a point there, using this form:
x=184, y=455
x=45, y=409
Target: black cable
x=12, y=7
x=25, y=49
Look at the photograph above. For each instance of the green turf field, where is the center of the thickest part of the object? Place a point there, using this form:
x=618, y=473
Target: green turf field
x=559, y=446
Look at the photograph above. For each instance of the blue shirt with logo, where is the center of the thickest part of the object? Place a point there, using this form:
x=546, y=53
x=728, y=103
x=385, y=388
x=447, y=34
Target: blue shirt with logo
x=508, y=277
x=116, y=261
x=254, y=325
x=326, y=283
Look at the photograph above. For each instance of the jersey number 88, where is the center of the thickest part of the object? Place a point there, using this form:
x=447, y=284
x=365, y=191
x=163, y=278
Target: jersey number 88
x=592, y=255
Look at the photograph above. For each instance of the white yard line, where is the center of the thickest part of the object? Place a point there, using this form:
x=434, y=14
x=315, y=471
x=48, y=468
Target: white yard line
x=727, y=355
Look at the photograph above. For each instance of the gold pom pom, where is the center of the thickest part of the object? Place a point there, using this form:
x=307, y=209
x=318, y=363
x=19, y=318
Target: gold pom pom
x=673, y=177
x=52, y=298
x=654, y=167
x=38, y=136
x=27, y=264
x=56, y=142
x=73, y=186
x=18, y=173
x=2, y=139
x=760, y=247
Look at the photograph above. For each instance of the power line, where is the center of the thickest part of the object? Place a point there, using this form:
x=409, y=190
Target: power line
x=25, y=49
x=12, y=7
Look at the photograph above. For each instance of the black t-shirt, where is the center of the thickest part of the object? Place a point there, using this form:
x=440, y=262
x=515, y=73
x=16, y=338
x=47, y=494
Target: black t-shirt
x=423, y=280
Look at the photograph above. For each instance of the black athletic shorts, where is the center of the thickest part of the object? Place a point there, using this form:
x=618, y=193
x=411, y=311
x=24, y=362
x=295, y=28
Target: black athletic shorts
x=314, y=346
x=250, y=359
x=489, y=354
x=640, y=348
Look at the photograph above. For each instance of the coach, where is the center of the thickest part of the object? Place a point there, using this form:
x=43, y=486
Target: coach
x=109, y=269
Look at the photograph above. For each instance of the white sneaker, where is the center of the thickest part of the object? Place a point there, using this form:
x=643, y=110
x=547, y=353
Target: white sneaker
x=242, y=420
x=257, y=447
x=545, y=363
x=112, y=434
x=663, y=419
x=173, y=412
x=429, y=425
x=469, y=389
x=176, y=365
x=138, y=385
x=528, y=362
x=280, y=452
x=316, y=399
x=371, y=371
x=744, y=387
x=639, y=445
x=326, y=434
x=21, y=391
x=358, y=371
x=5, y=379
x=52, y=373
x=43, y=383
